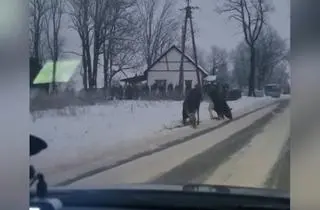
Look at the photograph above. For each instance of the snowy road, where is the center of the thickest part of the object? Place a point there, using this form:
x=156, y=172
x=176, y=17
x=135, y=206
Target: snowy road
x=305, y=168
x=250, y=151
x=97, y=138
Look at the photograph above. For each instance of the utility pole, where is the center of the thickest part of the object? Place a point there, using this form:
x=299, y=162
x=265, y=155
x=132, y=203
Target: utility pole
x=188, y=9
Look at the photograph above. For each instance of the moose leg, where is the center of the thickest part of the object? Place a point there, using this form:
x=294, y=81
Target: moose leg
x=184, y=117
x=218, y=113
x=210, y=108
x=198, y=121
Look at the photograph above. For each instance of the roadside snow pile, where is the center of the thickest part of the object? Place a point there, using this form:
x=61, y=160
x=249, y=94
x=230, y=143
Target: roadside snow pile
x=87, y=131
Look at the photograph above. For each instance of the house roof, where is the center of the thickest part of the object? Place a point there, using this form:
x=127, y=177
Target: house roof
x=139, y=78
x=64, y=71
x=180, y=51
x=134, y=79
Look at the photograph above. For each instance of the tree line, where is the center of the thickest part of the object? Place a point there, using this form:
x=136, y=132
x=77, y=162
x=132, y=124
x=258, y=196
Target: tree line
x=114, y=34
x=121, y=35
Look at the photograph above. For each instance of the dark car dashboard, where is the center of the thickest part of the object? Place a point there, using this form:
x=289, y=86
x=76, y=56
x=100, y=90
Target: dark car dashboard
x=188, y=197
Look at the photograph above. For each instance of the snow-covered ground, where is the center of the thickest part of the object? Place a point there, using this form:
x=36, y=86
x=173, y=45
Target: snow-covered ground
x=87, y=131
x=150, y=168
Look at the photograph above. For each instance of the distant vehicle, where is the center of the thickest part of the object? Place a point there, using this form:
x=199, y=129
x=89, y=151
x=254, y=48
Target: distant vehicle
x=273, y=90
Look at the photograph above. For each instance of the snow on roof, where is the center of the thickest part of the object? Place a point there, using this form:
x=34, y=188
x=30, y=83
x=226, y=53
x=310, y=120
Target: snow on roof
x=211, y=78
x=127, y=74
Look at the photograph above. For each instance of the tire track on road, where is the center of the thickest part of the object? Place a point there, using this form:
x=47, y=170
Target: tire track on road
x=198, y=168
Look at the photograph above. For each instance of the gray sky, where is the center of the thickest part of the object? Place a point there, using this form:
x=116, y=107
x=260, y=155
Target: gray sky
x=214, y=29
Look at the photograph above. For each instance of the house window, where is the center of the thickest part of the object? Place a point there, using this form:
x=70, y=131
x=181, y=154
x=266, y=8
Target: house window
x=161, y=83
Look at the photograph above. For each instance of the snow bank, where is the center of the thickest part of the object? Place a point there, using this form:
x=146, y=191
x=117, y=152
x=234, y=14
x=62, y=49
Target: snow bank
x=86, y=132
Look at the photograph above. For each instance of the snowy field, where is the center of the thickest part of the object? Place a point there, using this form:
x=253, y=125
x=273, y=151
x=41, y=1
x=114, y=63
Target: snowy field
x=87, y=131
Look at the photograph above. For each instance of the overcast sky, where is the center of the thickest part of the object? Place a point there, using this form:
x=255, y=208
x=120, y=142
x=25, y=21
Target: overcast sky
x=214, y=29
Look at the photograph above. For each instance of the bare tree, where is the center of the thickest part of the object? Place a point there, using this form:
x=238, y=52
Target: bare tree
x=124, y=59
x=79, y=11
x=119, y=50
x=88, y=18
x=38, y=10
x=54, y=39
x=241, y=64
x=279, y=75
x=98, y=15
x=271, y=50
x=159, y=27
x=105, y=28
x=217, y=58
x=251, y=15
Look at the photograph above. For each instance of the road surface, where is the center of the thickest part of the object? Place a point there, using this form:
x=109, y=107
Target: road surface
x=251, y=151
x=305, y=171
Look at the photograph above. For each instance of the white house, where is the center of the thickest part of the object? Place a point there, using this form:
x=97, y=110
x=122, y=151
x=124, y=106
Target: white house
x=165, y=70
